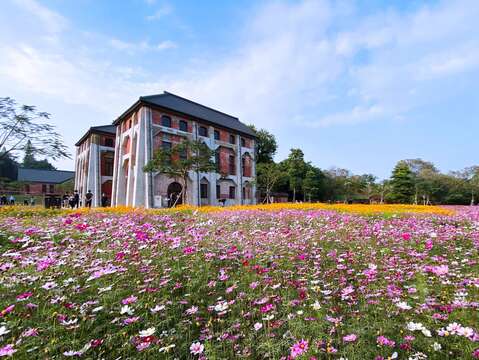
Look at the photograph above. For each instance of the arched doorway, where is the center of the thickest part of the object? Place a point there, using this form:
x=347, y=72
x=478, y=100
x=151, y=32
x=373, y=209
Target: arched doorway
x=174, y=194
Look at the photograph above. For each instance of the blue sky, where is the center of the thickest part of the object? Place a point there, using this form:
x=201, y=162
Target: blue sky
x=355, y=84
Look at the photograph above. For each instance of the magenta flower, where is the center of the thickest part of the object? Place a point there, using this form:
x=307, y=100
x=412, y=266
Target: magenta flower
x=7, y=350
x=299, y=348
x=129, y=300
x=384, y=341
x=350, y=338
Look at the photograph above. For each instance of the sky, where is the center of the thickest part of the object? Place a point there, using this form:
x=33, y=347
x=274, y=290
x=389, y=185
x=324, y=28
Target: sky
x=356, y=84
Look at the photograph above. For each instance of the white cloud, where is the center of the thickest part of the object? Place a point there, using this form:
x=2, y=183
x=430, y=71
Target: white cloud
x=164, y=10
x=141, y=46
x=52, y=21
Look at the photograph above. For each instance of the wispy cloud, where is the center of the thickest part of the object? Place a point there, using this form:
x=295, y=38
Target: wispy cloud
x=144, y=45
x=51, y=20
x=164, y=10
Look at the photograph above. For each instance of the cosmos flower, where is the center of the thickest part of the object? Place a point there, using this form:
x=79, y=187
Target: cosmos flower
x=197, y=348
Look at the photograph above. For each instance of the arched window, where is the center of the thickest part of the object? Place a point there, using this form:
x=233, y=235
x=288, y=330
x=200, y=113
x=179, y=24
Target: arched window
x=203, y=131
x=183, y=125
x=165, y=121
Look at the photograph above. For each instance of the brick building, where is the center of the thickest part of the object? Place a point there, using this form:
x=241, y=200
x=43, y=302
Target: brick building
x=43, y=182
x=94, y=162
x=160, y=121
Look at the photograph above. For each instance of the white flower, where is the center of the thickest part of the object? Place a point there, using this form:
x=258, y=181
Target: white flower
x=258, y=326
x=436, y=346
x=3, y=330
x=147, y=332
x=403, y=305
x=197, y=348
x=426, y=332
x=316, y=306
x=126, y=310
x=99, y=308
x=49, y=285
x=105, y=289
x=157, y=308
x=222, y=306
x=466, y=332
x=412, y=326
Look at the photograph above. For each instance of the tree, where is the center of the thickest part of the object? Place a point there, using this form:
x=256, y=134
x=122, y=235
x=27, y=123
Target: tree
x=312, y=182
x=20, y=124
x=30, y=162
x=296, y=169
x=180, y=160
x=267, y=176
x=402, y=183
x=471, y=177
x=266, y=145
x=369, y=185
x=423, y=173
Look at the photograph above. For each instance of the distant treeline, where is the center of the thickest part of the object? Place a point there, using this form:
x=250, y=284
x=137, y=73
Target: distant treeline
x=412, y=181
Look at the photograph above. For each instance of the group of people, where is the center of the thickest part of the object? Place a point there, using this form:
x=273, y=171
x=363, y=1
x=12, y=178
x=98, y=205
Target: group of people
x=73, y=200
x=10, y=200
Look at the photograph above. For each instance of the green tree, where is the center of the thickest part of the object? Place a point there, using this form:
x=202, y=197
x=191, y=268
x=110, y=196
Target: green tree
x=30, y=162
x=21, y=124
x=296, y=169
x=312, y=183
x=267, y=176
x=471, y=179
x=266, y=145
x=402, y=183
x=423, y=173
x=183, y=158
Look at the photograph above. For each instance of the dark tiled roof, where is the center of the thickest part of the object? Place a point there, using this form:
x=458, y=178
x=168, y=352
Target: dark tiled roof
x=44, y=176
x=104, y=128
x=177, y=103
x=109, y=129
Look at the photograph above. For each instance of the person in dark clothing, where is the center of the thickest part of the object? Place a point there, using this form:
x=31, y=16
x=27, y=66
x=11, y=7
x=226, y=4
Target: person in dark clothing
x=104, y=200
x=88, y=199
x=76, y=199
x=3, y=200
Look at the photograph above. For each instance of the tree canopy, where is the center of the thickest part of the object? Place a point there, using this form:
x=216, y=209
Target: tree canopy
x=24, y=124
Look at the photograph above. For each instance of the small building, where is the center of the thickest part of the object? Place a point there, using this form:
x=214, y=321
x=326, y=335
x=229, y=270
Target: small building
x=94, y=162
x=43, y=182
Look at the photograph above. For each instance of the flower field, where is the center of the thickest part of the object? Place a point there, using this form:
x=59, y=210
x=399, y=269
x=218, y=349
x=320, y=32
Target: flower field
x=294, y=281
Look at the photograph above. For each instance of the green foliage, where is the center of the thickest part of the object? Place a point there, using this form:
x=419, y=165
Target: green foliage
x=266, y=145
x=402, y=183
x=30, y=162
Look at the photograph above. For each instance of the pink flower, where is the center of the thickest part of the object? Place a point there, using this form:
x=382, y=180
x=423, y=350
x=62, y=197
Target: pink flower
x=267, y=308
x=7, y=310
x=7, y=350
x=189, y=250
x=475, y=354
x=384, y=341
x=30, y=332
x=197, y=348
x=406, y=236
x=129, y=300
x=350, y=338
x=192, y=310
x=299, y=348
x=24, y=296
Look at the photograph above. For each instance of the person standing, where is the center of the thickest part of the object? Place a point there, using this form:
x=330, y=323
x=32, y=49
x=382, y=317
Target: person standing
x=3, y=200
x=32, y=201
x=66, y=200
x=104, y=200
x=76, y=199
x=11, y=200
x=88, y=199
